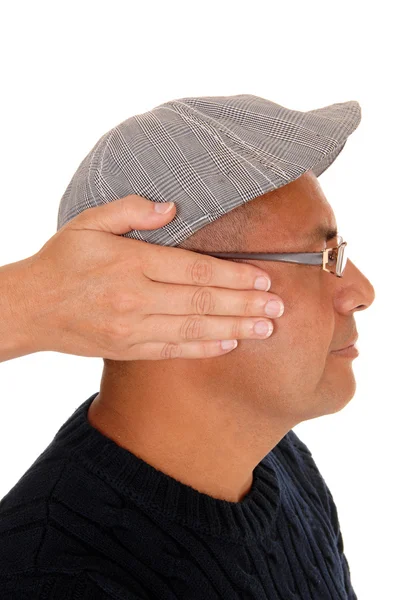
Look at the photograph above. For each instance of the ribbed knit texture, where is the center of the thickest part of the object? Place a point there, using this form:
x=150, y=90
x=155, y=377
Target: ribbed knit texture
x=90, y=520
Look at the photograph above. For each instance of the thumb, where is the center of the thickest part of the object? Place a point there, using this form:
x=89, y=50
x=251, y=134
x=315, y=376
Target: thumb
x=124, y=214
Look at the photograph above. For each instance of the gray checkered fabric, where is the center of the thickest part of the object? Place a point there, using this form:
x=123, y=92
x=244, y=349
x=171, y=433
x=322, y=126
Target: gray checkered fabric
x=209, y=155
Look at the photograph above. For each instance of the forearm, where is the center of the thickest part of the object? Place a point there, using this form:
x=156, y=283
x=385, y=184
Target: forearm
x=17, y=311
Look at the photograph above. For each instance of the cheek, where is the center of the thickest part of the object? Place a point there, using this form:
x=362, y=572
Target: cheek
x=302, y=336
x=306, y=329
x=308, y=321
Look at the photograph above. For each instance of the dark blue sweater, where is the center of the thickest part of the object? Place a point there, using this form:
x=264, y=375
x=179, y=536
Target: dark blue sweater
x=90, y=520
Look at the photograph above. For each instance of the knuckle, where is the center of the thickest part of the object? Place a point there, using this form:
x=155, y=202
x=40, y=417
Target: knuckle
x=171, y=350
x=236, y=329
x=202, y=302
x=191, y=329
x=124, y=302
x=120, y=330
x=105, y=328
x=248, y=307
x=200, y=272
x=258, y=304
x=254, y=305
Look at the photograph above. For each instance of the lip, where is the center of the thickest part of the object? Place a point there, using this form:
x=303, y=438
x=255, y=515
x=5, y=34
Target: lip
x=349, y=352
x=350, y=344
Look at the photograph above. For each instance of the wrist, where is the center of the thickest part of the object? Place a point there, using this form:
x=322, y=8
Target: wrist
x=20, y=332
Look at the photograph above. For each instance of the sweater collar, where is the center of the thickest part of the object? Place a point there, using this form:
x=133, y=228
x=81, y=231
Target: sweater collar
x=165, y=498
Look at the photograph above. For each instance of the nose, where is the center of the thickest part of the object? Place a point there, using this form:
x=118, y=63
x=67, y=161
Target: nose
x=357, y=293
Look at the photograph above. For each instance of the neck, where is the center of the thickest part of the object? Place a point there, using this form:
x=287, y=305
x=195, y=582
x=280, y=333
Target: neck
x=198, y=430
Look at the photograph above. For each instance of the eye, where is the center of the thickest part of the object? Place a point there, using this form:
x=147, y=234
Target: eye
x=332, y=256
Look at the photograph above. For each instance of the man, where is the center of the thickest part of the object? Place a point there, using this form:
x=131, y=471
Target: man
x=183, y=478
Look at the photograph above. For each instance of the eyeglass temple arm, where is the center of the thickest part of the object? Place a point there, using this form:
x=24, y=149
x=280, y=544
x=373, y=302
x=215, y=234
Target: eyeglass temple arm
x=308, y=258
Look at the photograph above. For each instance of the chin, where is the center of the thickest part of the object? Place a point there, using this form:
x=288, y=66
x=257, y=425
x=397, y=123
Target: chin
x=333, y=394
x=344, y=400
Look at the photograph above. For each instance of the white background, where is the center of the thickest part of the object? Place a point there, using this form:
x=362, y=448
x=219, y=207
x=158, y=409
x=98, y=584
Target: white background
x=71, y=71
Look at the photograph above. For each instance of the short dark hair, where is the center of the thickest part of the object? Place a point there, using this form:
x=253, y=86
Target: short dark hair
x=226, y=234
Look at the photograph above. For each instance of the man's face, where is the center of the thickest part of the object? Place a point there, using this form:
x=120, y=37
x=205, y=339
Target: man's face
x=293, y=373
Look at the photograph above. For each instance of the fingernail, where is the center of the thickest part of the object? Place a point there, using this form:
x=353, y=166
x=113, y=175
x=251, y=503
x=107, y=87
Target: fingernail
x=262, y=283
x=274, y=308
x=229, y=344
x=261, y=328
x=163, y=207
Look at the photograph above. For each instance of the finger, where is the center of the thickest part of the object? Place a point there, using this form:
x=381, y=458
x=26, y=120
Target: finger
x=176, y=265
x=203, y=300
x=165, y=328
x=164, y=351
x=123, y=215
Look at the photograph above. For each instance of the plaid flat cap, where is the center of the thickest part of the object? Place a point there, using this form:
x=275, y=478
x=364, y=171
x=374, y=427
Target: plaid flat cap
x=209, y=155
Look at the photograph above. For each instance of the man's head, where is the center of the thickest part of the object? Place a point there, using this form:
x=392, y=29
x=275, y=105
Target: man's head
x=292, y=375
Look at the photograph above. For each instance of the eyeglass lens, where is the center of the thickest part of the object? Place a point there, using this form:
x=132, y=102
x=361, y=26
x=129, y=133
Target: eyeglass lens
x=338, y=260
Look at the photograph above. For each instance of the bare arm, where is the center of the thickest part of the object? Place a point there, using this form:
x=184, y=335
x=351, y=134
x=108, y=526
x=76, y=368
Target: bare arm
x=16, y=308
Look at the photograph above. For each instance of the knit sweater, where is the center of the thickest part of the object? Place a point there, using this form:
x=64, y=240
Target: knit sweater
x=90, y=520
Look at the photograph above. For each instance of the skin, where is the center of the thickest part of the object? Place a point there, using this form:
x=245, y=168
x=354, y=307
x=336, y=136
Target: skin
x=209, y=422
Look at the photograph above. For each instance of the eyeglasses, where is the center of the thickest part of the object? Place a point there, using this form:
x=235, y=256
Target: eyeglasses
x=333, y=260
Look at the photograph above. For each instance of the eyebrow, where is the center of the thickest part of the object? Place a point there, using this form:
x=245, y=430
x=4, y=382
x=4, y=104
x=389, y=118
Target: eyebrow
x=321, y=233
